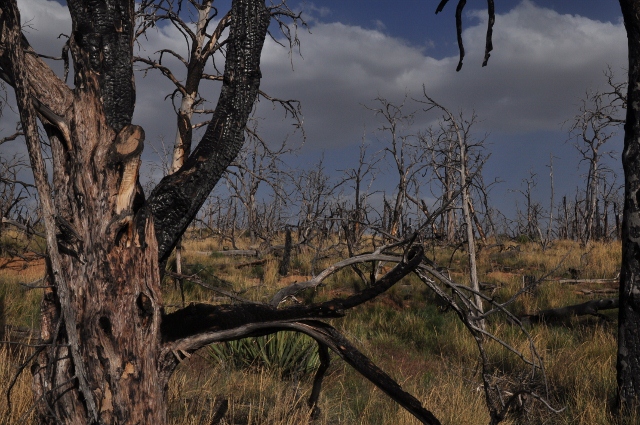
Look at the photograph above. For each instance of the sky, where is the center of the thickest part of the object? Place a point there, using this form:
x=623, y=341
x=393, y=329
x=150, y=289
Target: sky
x=546, y=55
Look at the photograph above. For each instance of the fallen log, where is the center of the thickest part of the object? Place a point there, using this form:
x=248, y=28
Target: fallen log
x=564, y=313
x=597, y=291
x=576, y=281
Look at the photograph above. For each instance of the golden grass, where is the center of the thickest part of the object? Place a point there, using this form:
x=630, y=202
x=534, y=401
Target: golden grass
x=424, y=348
x=21, y=395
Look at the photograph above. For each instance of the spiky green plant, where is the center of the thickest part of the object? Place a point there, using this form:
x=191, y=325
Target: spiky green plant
x=288, y=354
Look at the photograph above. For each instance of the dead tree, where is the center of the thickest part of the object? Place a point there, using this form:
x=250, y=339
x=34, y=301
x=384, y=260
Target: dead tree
x=441, y=153
x=204, y=40
x=314, y=195
x=529, y=221
x=16, y=197
x=355, y=214
x=459, y=130
x=399, y=152
x=104, y=239
x=597, y=122
x=259, y=167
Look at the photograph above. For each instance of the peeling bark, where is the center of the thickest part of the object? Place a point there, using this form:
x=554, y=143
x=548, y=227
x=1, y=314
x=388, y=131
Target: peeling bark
x=102, y=315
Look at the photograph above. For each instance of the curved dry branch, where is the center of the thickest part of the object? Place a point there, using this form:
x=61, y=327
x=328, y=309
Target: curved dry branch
x=330, y=337
x=204, y=318
x=459, y=301
x=213, y=44
x=325, y=335
x=191, y=328
x=294, y=288
x=325, y=362
x=459, y=9
x=165, y=71
x=291, y=106
x=174, y=54
x=489, y=44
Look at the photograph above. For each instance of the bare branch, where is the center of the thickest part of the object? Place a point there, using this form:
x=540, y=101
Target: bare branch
x=459, y=9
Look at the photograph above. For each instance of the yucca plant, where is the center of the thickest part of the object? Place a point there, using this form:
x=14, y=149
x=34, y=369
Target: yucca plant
x=288, y=354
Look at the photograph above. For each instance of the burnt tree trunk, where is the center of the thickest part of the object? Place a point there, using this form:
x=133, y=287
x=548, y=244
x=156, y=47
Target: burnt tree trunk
x=106, y=362
x=628, y=362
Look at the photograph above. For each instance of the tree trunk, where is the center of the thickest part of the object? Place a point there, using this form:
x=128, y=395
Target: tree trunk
x=471, y=240
x=106, y=361
x=118, y=320
x=628, y=362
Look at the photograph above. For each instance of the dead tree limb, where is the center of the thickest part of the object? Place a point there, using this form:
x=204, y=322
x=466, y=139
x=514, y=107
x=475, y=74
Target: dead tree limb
x=592, y=308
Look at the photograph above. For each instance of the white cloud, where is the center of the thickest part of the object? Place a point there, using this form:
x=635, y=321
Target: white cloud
x=541, y=65
x=46, y=25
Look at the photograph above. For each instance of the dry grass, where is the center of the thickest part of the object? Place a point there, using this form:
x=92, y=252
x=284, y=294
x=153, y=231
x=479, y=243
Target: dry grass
x=21, y=395
x=405, y=332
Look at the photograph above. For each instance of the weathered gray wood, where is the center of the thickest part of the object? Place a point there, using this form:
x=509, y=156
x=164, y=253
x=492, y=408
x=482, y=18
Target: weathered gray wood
x=577, y=281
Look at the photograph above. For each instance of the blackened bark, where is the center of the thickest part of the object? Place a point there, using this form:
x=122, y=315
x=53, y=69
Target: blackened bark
x=178, y=197
x=103, y=32
x=561, y=314
x=327, y=335
x=628, y=362
x=107, y=359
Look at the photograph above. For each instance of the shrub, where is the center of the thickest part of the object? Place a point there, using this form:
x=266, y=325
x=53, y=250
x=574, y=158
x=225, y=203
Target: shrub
x=288, y=354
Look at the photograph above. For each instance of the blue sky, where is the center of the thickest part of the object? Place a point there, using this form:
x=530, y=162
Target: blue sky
x=416, y=22
x=547, y=54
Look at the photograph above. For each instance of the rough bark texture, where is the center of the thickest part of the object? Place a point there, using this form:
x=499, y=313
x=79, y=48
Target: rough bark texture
x=628, y=363
x=178, y=197
x=104, y=311
x=103, y=315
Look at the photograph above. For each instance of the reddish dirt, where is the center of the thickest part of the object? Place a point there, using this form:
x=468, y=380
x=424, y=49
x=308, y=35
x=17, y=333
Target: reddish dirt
x=16, y=266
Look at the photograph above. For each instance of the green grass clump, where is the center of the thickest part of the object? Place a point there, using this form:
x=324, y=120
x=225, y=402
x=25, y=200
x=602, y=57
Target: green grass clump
x=287, y=354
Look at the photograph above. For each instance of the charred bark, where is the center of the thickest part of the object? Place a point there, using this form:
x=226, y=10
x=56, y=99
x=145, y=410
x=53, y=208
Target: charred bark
x=628, y=362
x=102, y=316
x=560, y=314
x=110, y=347
x=178, y=197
